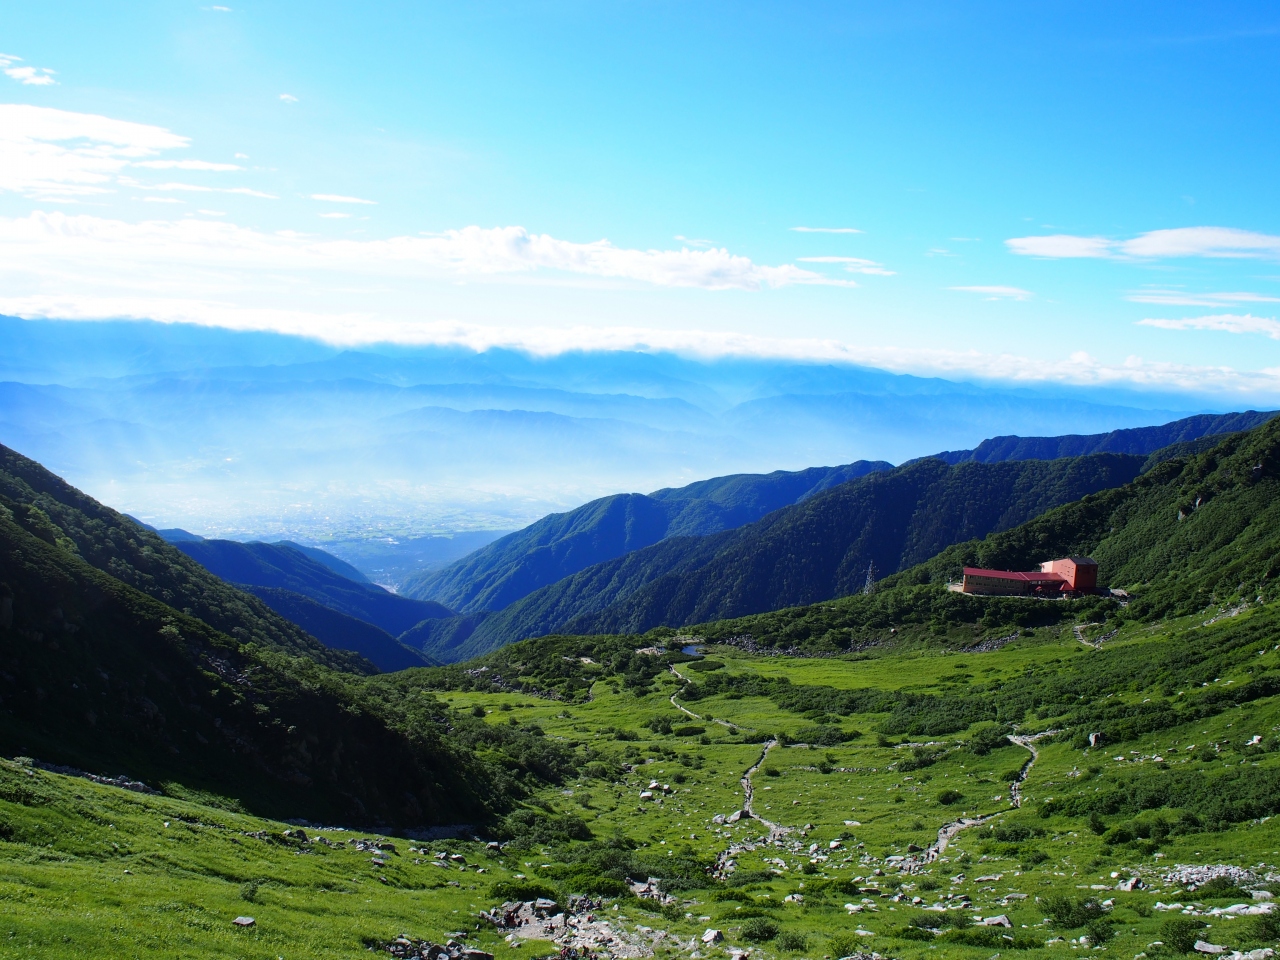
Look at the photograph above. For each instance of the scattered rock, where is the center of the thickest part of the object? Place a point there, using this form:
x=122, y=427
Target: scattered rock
x=244, y=921
x=1203, y=947
x=712, y=936
x=1000, y=921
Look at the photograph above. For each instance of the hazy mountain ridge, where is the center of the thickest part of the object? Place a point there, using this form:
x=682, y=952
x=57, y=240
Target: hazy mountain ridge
x=336, y=629
x=219, y=430
x=1133, y=440
x=284, y=567
x=815, y=550
x=562, y=544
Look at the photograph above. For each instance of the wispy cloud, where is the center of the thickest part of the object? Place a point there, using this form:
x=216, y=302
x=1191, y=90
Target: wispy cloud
x=27, y=76
x=187, y=165
x=998, y=292
x=825, y=230
x=694, y=242
x=851, y=264
x=1224, y=322
x=339, y=198
x=364, y=327
x=1181, y=298
x=59, y=155
x=200, y=188
x=336, y=216
x=1215, y=242
x=470, y=252
x=288, y=98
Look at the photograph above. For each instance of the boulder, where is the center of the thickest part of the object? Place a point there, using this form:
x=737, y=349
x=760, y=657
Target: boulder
x=712, y=936
x=1202, y=947
x=244, y=921
x=1000, y=921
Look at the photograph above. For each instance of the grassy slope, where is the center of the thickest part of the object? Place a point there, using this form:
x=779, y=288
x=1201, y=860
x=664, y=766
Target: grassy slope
x=69, y=842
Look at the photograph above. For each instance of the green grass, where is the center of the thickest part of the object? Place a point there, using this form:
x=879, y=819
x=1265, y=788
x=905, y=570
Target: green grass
x=63, y=879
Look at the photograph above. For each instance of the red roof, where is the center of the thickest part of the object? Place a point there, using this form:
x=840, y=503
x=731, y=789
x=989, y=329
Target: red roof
x=1033, y=577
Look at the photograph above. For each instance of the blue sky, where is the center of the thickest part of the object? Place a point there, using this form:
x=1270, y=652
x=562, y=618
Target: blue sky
x=1062, y=192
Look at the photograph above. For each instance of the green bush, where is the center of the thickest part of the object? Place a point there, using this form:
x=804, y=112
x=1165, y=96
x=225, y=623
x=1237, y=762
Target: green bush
x=1072, y=912
x=759, y=929
x=950, y=796
x=690, y=730
x=913, y=933
x=1220, y=888
x=1180, y=934
x=843, y=944
x=792, y=941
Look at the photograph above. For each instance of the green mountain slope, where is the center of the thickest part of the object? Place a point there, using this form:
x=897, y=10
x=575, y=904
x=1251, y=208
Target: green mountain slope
x=340, y=631
x=284, y=567
x=97, y=674
x=1133, y=440
x=1193, y=533
x=562, y=544
x=815, y=550
x=117, y=545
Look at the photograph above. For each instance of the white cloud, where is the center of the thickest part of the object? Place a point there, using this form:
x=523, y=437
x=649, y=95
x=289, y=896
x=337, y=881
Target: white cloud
x=852, y=264
x=1225, y=322
x=242, y=156
x=31, y=76
x=199, y=188
x=694, y=242
x=187, y=165
x=998, y=292
x=1181, y=298
x=288, y=98
x=336, y=216
x=103, y=244
x=213, y=213
x=58, y=155
x=1216, y=242
x=825, y=230
x=338, y=198
x=363, y=328
x=1061, y=246
x=159, y=199
x=28, y=76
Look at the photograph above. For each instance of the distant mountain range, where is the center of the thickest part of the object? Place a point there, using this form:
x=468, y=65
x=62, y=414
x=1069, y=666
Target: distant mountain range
x=299, y=586
x=818, y=548
x=1134, y=440
x=562, y=544
x=283, y=436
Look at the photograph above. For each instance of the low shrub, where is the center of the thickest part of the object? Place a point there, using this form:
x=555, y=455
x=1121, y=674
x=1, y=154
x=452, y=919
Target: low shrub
x=792, y=941
x=759, y=929
x=1180, y=934
x=948, y=797
x=1072, y=912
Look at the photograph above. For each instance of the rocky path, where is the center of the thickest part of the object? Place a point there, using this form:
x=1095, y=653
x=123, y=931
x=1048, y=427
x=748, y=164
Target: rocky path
x=1079, y=630
x=951, y=830
x=689, y=713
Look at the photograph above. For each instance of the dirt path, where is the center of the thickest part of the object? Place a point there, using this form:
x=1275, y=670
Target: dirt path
x=689, y=713
x=951, y=830
x=1079, y=630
